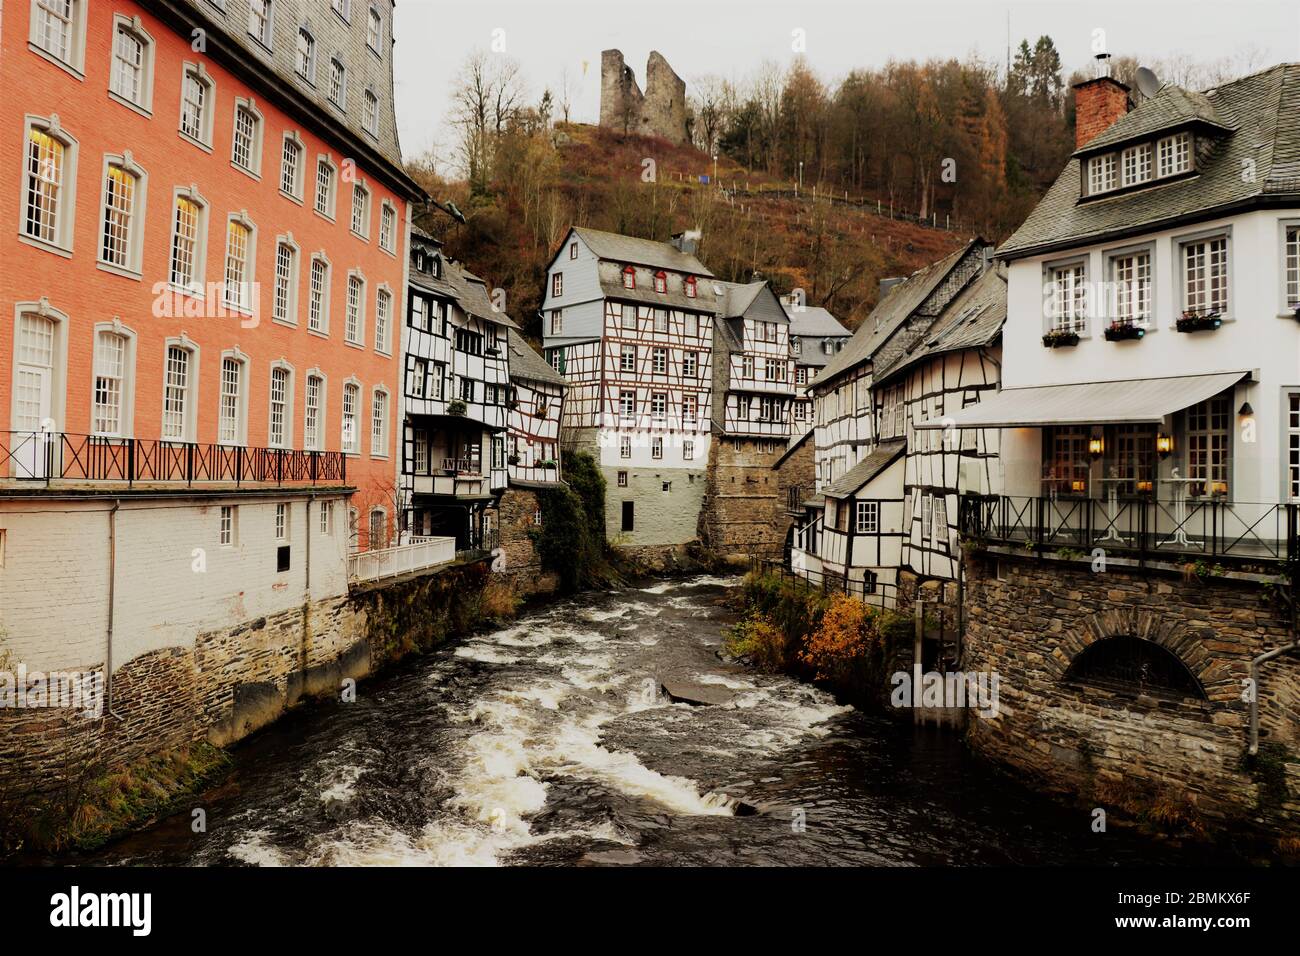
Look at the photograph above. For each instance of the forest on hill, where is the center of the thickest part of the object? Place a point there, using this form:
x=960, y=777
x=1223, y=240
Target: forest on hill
x=879, y=152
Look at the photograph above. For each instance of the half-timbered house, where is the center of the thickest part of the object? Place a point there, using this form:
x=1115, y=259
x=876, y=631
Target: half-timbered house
x=535, y=409
x=816, y=337
x=629, y=323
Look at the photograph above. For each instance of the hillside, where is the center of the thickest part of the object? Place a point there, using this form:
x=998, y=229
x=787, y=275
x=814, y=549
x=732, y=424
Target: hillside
x=835, y=249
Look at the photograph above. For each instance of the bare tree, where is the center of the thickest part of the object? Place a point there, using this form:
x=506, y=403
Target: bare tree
x=486, y=98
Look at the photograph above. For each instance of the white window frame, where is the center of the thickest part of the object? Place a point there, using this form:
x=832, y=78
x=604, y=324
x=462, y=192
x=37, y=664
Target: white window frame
x=228, y=526
x=1289, y=267
x=313, y=439
x=388, y=215
x=292, y=140
x=202, y=138
x=866, y=517
x=1103, y=173
x=1181, y=246
x=361, y=190
x=239, y=422
x=310, y=73
x=133, y=27
x=370, y=112
x=134, y=245
x=1291, y=445
x=375, y=37
x=1119, y=296
x=1075, y=294
x=254, y=167
x=1178, y=150
x=338, y=68
x=326, y=517
x=354, y=310
x=379, y=436
x=331, y=195
x=1137, y=165
x=323, y=326
x=246, y=301
x=261, y=14
x=196, y=286
x=286, y=439
x=289, y=282
x=351, y=388
x=282, y=522
x=61, y=239
x=126, y=383
x=384, y=319
x=190, y=395
x=73, y=59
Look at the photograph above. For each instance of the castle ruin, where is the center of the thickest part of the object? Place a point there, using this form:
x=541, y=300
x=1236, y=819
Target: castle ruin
x=660, y=111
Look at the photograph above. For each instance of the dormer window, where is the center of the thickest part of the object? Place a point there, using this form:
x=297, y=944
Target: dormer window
x=690, y=287
x=1136, y=164
x=661, y=282
x=1174, y=154
x=629, y=278
x=419, y=261
x=1101, y=174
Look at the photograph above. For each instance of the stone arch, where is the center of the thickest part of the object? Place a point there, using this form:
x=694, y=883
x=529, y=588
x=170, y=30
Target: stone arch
x=1185, y=643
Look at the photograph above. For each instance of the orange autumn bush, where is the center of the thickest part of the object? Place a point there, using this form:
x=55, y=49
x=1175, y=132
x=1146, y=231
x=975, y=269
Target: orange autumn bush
x=849, y=636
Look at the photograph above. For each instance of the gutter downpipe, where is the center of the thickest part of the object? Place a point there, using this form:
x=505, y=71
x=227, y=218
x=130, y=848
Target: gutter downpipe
x=1254, y=686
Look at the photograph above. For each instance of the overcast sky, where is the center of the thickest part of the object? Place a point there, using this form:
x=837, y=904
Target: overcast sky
x=732, y=37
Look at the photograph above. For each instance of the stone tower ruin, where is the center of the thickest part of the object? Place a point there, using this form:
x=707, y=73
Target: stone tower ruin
x=660, y=111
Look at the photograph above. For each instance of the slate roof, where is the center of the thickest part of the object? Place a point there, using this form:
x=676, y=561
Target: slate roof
x=706, y=298
x=472, y=294
x=1260, y=120
x=527, y=364
x=815, y=322
x=640, y=252
x=974, y=318
x=881, y=457
x=1171, y=108
x=890, y=313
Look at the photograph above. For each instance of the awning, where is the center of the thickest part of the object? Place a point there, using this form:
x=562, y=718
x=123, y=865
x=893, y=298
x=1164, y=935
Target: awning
x=1129, y=401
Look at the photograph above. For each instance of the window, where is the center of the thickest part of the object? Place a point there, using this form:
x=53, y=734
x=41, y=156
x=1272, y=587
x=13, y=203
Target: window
x=622, y=479
x=661, y=282
x=317, y=306
x=49, y=192
x=940, y=522
x=1205, y=276
x=227, y=526
x=239, y=265
x=354, y=320
x=338, y=88
x=281, y=430
x=800, y=375
x=245, y=150
x=1136, y=163
x=119, y=243
x=311, y=430
x=229, y=411
x=868, y=517
x=188, y=230
x=361, y=210
x=1293, y=446
x=259, y=21
x=281, y=522
x=625, y=447
x=690, y=405
x=379, y=425
x=378, y=529
x=56, y=29
x=927, y=517
x=1067, y=464
x=1101, y=173
x=1174, y=154
x=573, y=250
x=688, y=450
x=1209, y=444
x=690, y=287
x=629, y=278
x=383, y=310
x=747, y=366
x=110, y=378
x=659, y=406
x=305, y=60
x=291, y=167
x=420, y=452
x=1291, y=265
x=557, y=321
x=196, y=106
x=325, y=188
x=627, y=358
x=629, y=317
x=659, y=359
x=176, y=394
x=768, y=409
x=692, y=322
x=1069, y=298
x=326, y=517
x=387, y=227
x=375, y=31
x=629, y=513
x=341, y=7
x=627, y=403
x=466, y=388
x=286, y=281
x=370, y=113
x=1131, y=274
x=557, y=284
x=661, y=320
x=690, y=365
x=351, y=437
x=131, y=72
x=656, y=447
x=775, y=370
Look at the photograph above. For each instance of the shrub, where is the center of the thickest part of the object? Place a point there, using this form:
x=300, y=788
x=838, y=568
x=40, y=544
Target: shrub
x=848, y=641
x=759, y=641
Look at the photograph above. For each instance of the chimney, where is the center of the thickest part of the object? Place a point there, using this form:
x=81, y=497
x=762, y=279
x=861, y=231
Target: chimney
x=687, y=242
x=1098, y=103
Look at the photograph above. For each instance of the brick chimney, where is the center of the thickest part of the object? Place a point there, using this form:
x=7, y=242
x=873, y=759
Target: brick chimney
x=1097, y=104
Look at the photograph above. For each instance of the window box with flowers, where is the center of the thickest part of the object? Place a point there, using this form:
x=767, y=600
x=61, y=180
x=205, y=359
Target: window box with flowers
x=457, y=406
x=1060, y=338
x=1199, y=321
x=1122, y=330
x=549, y=463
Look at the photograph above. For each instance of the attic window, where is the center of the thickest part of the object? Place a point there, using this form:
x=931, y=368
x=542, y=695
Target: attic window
x=573, y=250
x=690, y=287
x=1136, y=164
x=661, y=282
x=1175, y=154
x=629, y=278
x=1101, y=174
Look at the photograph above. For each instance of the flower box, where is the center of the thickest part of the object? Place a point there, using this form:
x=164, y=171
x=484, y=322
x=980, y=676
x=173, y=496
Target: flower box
x=1060, y=338
x=1122, y=331
x=1199, y=322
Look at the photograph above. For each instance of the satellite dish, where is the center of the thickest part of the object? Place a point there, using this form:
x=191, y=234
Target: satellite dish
x=1147, y=82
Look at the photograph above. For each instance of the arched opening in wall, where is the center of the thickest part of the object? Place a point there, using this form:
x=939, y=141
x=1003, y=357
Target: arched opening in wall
x=1130, y=665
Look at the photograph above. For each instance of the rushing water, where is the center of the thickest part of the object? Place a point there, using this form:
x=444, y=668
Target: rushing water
x=547, y=743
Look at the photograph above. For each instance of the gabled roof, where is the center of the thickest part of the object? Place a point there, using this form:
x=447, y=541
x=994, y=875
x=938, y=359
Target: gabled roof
x=706, y=298
x=812, y=321
x=892, y=312
x=525, y=363
x=642, y=252
x=1257, y=128
x=472, y=294
x=880, y=458
x=753, y=300
x=1171, y=108
x=971, y=320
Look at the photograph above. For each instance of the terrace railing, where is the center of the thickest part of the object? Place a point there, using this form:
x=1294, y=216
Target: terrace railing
x=47, y=456
x=419, y=555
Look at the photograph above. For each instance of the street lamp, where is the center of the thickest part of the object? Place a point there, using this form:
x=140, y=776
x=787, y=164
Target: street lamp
x=801, y=175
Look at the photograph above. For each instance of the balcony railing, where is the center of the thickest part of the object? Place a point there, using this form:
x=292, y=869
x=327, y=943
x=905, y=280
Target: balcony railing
x=46, y=456
x=1144, y=527
x=420, y=554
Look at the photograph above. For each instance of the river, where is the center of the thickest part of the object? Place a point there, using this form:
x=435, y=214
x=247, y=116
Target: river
x=547, y=743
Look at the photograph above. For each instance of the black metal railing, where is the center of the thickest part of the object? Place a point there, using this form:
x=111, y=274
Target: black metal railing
x=877, y=593
x=1147, y=527
x=47, y=456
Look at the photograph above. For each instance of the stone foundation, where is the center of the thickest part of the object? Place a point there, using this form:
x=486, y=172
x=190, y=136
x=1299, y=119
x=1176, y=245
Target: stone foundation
x=1029, y=619
x=743, y=512
x=518, y=561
